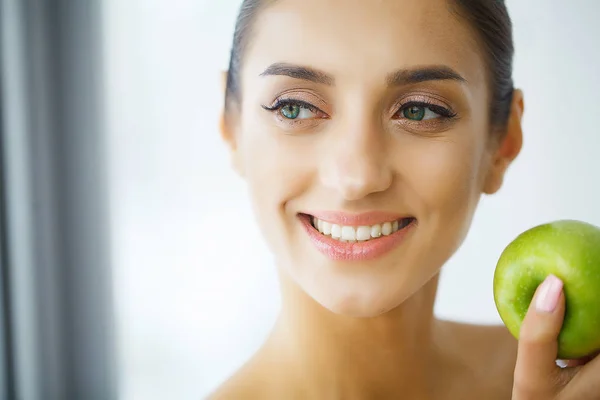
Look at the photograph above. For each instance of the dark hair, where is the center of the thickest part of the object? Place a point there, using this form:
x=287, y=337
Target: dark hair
x=241, y=37
x=493, y=26
x=489, y=19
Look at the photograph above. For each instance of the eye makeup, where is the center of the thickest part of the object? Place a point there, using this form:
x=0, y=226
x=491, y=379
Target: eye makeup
x=414, y=111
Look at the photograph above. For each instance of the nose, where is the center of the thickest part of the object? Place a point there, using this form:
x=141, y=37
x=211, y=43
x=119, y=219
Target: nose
x=357, y=162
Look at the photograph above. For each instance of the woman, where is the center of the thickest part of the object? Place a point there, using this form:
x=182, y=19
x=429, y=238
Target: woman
x=367, y=132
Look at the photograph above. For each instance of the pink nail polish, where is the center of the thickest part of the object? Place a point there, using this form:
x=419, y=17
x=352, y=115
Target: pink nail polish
x=562, y=363
x=548, y=294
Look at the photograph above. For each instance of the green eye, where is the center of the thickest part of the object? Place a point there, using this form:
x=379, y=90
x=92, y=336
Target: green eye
x=290, y=111
x=414, y=113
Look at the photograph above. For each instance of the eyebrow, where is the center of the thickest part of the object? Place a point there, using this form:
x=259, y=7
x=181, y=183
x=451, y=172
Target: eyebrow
x=396, y=78
x=299, y=72
x=423, y=74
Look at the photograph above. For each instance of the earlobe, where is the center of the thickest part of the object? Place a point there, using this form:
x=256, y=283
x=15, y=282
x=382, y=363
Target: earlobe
x=228, y=126
x=224, y=81
x=225, y=132
x=225, y=123
x=230, y=138
x=509, y=148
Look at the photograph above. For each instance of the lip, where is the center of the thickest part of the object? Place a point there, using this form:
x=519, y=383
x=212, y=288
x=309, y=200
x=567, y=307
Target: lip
x=355, y=251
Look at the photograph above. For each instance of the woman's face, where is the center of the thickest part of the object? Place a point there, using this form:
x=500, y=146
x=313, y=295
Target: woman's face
x=371, y=116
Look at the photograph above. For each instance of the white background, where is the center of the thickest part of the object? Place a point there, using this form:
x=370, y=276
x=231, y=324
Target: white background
x=194, y=284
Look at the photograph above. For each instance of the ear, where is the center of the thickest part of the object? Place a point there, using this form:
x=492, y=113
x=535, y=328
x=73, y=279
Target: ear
x=228, y=125
x=224, y=81
x=508, y=148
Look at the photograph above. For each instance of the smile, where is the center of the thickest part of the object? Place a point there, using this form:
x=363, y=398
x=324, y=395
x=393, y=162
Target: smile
x=356, y=237
x=345, y=233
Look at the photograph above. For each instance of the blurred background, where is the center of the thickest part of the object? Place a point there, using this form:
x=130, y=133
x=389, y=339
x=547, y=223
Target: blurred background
x=119, y=211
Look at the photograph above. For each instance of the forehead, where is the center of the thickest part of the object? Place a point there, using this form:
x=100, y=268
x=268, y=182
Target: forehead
x=364, y=38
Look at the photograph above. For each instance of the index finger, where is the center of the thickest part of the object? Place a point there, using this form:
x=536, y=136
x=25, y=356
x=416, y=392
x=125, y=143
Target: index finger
x=536, y=370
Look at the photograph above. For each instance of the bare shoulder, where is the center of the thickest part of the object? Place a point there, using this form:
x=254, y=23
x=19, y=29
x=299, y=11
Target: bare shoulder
x=262, y=377
x=246, y=383
x=493, y=342
x=236, y=389
x=487, y=354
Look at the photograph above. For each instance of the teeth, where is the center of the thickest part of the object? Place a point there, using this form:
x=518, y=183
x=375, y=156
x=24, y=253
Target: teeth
x=325, y=228
x=348, y=233
x=386, y=228
x=376, y=231
x=359, y=233
x=363, y=233
x=336, y=231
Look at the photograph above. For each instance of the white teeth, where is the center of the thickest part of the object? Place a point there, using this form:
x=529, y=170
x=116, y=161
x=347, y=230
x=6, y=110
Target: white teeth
x=363, y=233
x=336, y=231
x=325, y=228
x=348, y=233
x=359, y=233
x=386, y=228
x=376, y=231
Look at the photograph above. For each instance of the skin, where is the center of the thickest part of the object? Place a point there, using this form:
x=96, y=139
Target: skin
x=357, y=330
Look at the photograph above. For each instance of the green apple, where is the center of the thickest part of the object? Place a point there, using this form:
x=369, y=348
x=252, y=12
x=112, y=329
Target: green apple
x=571, y=251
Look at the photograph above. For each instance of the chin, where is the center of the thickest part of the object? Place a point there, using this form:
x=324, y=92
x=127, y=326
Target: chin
x=358, y=306
x=358, y=299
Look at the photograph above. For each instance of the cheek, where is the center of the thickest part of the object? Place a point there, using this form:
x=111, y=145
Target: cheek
x=445, y=177
x=277, y=168
x=449, y=177
x=276, y=165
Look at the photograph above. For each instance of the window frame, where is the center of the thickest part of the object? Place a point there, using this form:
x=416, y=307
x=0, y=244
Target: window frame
x=56, y=298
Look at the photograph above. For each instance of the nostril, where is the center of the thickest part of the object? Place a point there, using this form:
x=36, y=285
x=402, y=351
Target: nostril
x=356, y=176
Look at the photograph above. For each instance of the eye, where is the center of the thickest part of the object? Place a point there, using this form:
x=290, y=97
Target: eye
x=424, y=111
x=418, y=113
x=295, y=110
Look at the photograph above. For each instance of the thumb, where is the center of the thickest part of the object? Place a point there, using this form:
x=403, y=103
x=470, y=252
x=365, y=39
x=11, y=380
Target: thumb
x=536, y=370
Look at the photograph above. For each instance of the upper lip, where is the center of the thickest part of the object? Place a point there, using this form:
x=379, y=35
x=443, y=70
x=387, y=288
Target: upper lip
x=357, y=219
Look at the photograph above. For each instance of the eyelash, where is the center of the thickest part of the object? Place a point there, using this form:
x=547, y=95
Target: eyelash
x=441, y=111
x=291, y=102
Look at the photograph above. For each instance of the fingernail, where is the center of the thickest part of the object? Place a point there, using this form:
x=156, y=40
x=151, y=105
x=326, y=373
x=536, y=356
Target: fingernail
x=561, y=363
x=548, y=294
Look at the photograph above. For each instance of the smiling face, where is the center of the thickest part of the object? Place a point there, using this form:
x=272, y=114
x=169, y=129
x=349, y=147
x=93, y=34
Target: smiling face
x=364, y=120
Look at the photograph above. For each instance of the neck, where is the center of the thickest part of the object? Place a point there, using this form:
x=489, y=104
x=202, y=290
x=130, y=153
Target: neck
x=339, y=356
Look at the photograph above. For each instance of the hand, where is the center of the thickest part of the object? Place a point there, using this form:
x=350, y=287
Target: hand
x=537, y=375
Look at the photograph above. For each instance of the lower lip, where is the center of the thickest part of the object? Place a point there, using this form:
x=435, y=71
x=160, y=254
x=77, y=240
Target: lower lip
x=354, y=251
